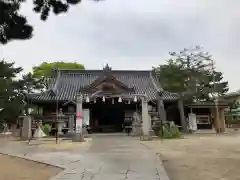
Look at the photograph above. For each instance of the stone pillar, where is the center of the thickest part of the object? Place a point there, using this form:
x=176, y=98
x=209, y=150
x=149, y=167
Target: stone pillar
x=145, y=119
x=151, y=132
x=79, y=120
x=71, y=123
x=182, y=116
x=161, y=110
x=26, y=128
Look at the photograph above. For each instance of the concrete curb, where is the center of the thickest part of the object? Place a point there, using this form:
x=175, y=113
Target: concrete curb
x=161, y=170
x=33, y=160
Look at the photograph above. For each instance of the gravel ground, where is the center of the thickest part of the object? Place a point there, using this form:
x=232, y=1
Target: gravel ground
x=12, y=168
x=200, y=157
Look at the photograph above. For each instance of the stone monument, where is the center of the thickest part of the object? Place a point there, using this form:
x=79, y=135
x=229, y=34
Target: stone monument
x=60, y=122
x=26, y=133
x=137, y=125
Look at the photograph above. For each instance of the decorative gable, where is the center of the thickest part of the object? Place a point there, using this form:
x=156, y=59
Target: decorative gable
x=107, y=83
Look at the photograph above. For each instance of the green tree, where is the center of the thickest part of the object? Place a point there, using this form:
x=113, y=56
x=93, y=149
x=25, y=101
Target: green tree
x=234, y=104
x=45, y=68
x=13, y=91
x=29, y=84
x=170, y=76
x=14, y=26
x=11, y=101
x=190, y=73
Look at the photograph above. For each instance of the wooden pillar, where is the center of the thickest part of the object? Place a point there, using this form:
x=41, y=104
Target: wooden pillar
x=161, y=109
x=71, y=123
x=182, y=116
x=145, y=118
x=214, y=122
x=219, y=123
x=222, y=124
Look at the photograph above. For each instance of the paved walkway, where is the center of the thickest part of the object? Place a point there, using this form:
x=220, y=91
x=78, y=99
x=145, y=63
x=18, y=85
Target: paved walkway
x=109, y=158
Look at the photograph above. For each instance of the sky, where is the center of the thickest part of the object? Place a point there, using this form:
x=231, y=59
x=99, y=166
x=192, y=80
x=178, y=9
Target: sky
x=133, y=34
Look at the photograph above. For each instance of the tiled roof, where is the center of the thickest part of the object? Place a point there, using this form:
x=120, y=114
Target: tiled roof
x=232, y=94
x=67, y=84
x=207, y=104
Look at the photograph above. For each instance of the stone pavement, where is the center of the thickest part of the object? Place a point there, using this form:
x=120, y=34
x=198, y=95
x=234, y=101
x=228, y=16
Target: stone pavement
x=108, y=158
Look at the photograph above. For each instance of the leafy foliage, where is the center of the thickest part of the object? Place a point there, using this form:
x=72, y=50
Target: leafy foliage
x=190, y=73
x=234, y=105
x=46, y=128
x=13, y=91
x=45, y=69
x=29, y=84
x=171, y=72
x=14, y=26
x=169, y=131
x=11, y=100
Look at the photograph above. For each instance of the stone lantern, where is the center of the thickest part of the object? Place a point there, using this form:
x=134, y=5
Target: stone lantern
x=60, y=122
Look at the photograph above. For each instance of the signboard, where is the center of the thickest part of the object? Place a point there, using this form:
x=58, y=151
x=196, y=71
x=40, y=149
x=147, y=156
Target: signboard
x=34, y=124
x=192, y=121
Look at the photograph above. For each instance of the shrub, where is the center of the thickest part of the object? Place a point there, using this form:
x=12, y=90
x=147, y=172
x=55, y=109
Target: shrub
x=46, y=128
x=175, y=132
x=169, y=131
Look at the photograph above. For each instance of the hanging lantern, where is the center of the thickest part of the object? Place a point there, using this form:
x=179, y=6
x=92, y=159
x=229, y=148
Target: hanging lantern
x=30, y=110
x=113, y=101
x=135, y=99
x=103, y=99
x=87, y=99
x=119, y=99
x=94, y=101
x=129, y=102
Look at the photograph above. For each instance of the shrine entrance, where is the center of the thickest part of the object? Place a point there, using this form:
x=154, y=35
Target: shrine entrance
x=107, y=116
x=105, y=94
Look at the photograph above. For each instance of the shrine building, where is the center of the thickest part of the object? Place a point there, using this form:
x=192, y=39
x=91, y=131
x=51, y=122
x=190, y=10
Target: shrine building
x=108, y=97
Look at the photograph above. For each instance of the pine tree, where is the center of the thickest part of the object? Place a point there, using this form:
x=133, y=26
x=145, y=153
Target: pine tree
x=14, y=26
x=190, y=73
x=10, y=99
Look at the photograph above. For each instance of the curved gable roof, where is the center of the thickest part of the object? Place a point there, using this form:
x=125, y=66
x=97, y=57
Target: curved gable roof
x=67, y=83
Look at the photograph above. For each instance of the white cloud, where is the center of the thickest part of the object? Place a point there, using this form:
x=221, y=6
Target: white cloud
x=135, y=34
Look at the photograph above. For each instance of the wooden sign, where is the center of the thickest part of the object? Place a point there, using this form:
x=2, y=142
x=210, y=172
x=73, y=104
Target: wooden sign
x=34, y=124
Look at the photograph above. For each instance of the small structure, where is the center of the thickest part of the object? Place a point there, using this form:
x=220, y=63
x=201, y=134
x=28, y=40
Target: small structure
x=206, y=114
x=232, y=114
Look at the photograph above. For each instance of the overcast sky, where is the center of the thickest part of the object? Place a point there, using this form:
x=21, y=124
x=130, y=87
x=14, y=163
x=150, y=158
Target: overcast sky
x=133, y=34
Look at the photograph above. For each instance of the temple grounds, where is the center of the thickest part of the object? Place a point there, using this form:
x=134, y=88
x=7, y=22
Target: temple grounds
x=12, y=168
x=200, y=156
